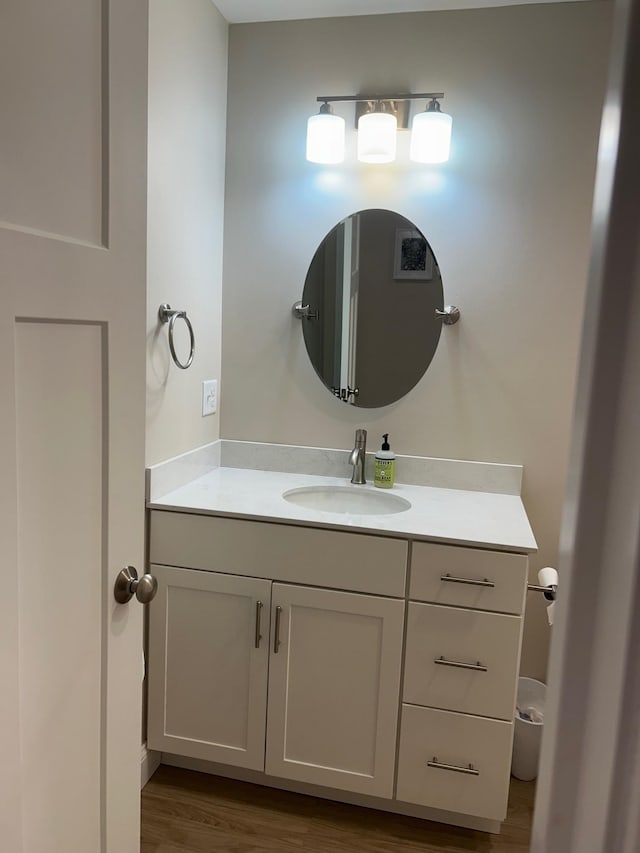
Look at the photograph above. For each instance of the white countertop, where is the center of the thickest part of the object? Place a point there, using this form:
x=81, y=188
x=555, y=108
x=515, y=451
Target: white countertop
x=455, y=516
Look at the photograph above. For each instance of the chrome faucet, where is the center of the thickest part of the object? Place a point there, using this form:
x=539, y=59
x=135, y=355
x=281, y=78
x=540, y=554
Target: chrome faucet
x=357, y=457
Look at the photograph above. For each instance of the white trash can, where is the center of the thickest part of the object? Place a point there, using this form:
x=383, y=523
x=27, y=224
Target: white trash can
x=528, y=728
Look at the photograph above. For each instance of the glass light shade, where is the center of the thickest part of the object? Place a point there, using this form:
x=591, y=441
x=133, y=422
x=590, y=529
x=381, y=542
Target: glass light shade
x=377, y=138
x=325, y=138
x=430, y=137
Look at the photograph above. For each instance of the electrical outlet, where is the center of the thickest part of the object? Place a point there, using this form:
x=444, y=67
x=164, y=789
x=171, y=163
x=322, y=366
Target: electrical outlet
x=209, y=397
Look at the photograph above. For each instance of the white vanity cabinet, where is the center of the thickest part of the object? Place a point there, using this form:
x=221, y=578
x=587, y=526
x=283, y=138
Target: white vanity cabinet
x=334, y=661
x=330, y=659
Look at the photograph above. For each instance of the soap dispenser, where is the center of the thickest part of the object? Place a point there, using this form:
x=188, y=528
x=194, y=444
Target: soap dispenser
x=385, y=465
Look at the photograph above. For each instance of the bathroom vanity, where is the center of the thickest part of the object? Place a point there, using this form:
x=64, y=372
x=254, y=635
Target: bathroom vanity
x=370, y=658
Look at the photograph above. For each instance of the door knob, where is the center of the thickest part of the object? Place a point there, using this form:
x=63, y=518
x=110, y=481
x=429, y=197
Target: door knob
x=128, y=584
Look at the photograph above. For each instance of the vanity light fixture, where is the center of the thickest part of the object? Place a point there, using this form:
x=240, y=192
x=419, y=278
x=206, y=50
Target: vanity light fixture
x=378, y=117
x=325, y=137
x=431, y=135
x=377, y=135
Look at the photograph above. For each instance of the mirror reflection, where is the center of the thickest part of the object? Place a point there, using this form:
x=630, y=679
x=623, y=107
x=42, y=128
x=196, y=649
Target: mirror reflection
x=370, y=298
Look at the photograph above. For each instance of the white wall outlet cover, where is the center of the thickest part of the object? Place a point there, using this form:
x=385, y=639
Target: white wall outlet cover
x=209, y=397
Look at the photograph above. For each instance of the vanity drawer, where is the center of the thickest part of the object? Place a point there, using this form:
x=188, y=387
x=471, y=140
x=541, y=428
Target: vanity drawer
x=430, y=737
x=280, y=552
x=487, y=643
x=468, y=577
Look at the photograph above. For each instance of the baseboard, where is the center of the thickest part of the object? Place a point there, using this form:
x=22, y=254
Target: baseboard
x=149, y=763
x=394, y=806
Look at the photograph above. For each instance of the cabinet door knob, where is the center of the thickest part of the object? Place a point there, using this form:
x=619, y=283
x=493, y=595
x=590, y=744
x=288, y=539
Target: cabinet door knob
x=128, y=584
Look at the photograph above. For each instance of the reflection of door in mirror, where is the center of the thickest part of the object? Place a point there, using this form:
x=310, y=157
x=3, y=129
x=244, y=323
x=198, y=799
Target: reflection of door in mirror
x=351, y=274
x=323, y=332
x=332, y=291
x=376, y=328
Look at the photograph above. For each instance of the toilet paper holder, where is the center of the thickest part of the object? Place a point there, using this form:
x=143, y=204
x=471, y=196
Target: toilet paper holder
x=550, y=592
x=548, y=583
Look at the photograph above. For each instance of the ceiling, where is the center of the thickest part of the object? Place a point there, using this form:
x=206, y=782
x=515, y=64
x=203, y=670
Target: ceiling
x=245, y=11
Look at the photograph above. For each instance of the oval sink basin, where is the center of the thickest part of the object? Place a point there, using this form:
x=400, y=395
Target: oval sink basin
x=347, y=499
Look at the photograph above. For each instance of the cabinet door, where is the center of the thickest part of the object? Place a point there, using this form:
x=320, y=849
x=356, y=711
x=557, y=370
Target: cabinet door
x=208, y=664
x=334, y=682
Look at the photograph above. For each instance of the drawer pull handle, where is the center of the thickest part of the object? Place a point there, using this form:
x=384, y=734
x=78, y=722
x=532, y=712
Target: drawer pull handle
x=477, y=667
x=258, y=615
x=276, y=633
x=450, y=579
x=470, y=770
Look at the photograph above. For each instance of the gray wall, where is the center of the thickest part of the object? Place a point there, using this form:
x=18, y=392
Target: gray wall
x=187, y=109
x=188, y=49
x=508, y=219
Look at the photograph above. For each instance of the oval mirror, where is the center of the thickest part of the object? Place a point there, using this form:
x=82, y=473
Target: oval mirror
x=369, y=304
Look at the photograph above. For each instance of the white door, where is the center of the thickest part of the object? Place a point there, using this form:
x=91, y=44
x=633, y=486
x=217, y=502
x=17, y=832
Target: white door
x=208, y=664
x=334, y=684
x=589, y=782
x=72, y=338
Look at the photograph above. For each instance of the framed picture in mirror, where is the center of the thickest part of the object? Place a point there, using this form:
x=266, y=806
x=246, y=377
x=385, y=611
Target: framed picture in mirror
x=411, y=259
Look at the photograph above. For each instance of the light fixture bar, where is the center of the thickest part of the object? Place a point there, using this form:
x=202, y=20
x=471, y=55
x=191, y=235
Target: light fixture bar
x=399, y=109
x=402, y=97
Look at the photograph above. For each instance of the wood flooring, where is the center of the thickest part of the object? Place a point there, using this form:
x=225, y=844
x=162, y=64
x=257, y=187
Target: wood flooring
x=188, y=812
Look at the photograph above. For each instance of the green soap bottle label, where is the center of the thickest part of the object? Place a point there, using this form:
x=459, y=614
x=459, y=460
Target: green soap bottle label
x=384, y=471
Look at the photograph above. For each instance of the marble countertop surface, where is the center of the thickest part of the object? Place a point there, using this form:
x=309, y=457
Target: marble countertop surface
x=455, y=516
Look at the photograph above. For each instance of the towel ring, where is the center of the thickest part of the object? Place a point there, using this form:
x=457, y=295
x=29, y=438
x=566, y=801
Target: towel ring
x=167, y=315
